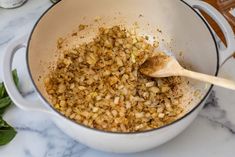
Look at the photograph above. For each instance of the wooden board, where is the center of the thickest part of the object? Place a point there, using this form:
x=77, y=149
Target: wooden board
x=215, y=3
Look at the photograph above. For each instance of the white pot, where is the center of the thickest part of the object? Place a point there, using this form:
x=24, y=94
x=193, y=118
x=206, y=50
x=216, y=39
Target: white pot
x=178, y=20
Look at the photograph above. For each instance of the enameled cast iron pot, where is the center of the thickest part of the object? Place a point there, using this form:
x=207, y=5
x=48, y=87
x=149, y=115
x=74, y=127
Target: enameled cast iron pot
x=179, y=20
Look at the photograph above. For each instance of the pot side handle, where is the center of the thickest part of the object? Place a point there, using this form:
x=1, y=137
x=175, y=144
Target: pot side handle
x=226, y=53
x=10, y=86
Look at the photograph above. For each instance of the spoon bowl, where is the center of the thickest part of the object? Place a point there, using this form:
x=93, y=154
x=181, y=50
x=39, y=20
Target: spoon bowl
x=162, y=65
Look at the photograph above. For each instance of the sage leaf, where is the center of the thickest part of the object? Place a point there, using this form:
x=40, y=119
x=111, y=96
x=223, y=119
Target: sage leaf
x=2, y=110
x=5, y=102
x=7, y=133
x=6, y=136
x=2, y=90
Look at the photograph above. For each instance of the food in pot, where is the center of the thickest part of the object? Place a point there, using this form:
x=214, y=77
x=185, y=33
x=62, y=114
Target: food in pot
x=156, y=63
x=98, y=84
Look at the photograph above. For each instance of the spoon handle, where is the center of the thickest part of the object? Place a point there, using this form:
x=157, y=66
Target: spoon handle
x=209, y=79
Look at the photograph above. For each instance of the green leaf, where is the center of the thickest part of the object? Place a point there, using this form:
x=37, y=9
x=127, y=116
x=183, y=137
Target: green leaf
x=5, y=102
x=3, y=123
x=2, y=90
x=6, y=136
x=2, y=110
x=7, y=133
x=15, y=78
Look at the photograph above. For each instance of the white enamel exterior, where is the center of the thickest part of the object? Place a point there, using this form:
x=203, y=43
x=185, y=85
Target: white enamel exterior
x=127, y=143
x=224, y=25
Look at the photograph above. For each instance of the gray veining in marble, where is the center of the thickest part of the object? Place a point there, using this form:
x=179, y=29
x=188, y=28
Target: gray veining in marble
x=217, y=114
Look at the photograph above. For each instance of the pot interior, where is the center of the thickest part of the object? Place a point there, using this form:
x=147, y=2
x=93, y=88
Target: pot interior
x=183, y=33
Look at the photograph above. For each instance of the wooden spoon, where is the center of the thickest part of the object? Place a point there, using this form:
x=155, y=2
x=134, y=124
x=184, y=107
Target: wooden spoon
x=165, y=66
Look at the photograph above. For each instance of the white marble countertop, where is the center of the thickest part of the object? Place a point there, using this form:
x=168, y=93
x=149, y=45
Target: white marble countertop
x=211, y=134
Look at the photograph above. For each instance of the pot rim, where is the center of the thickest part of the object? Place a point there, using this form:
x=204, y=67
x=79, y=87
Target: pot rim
x=122, y=133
